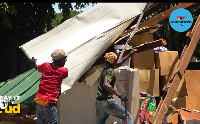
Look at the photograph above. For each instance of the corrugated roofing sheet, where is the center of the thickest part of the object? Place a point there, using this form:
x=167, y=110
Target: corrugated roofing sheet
x=24, y=85
x=85, y=37
x=91, y=36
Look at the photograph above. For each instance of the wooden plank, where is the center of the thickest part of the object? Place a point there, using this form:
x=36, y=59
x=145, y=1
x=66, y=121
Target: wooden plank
x=156, y=19
x=163, y=15
x=188, y=115
x=17, y=120
x=141, y=39
x=140, y=48
x=196, y=24
x=189, y=34
x=178, y=75
x=150, y=45
x=152, y=9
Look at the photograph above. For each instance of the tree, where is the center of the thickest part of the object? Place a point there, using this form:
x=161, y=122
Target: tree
x=59, y=17
x=22, y=22
x=57, y=20
x=5, y=10
x=67, y=8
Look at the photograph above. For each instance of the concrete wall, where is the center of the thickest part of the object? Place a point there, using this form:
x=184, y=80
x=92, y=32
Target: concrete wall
x=77, y=105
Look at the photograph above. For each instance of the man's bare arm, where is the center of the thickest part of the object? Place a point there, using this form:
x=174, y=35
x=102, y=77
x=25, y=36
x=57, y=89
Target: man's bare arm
x=109, y=88
x=123, y=59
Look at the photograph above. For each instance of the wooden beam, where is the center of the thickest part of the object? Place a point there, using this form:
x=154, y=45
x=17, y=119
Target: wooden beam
x=163, y=15
x=140, y=48
x=189, y=34
x=152, y=9
x=156, y=19
x=196, y=25
x=17, y=120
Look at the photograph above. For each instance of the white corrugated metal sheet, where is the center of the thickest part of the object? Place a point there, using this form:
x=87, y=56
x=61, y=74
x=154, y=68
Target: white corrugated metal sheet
x=85, y=37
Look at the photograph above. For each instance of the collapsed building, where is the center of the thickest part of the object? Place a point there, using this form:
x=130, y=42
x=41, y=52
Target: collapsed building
x=87, y=37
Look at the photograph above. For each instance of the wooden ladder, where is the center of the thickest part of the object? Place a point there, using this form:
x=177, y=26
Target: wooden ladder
x=193, y=38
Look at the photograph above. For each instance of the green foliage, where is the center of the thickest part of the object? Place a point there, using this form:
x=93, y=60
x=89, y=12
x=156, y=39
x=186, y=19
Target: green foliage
x=57, y=20
x=59, y=17
x=68, y=7
x=80, y=5
x=197, y=51
x=73, y=13
x=20, y=23
x=5, y=11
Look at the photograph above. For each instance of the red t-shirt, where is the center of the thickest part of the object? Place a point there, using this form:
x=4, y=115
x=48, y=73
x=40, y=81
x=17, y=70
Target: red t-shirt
x=50, y=83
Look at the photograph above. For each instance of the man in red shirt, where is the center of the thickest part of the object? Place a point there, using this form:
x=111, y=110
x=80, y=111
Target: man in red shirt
x=50, y=87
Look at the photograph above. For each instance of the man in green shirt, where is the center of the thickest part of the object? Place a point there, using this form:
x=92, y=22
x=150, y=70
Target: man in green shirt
x=105, y=104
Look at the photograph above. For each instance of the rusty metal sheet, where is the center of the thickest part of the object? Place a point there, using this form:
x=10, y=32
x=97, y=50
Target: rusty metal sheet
x=188, y=115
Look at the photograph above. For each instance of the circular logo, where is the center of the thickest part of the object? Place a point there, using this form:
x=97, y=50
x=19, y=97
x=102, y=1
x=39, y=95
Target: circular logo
x=181, y=20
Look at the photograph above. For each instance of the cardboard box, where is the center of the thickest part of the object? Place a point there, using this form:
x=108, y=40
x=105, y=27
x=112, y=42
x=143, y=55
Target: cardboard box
x=179, y=103
x=181, y=90
x=143, y=60
x=188, y=102
x=189, y=116
x=166, y=61
x=192, y=78
x=172, y=119
x=141, y=39
x=149, y=82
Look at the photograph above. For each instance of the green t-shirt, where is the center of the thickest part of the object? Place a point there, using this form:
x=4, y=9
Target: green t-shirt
x=109, y=74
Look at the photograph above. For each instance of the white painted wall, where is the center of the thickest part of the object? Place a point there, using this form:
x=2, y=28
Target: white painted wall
x=77, y=105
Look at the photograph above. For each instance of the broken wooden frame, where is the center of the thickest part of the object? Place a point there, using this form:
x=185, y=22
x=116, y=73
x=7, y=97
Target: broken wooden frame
x=178, y=73
x=156, y=19
x=150, y=10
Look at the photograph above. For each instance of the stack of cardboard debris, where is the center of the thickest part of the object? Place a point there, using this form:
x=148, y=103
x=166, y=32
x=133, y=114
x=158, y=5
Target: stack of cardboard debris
x=184, y=116
x=154, y=68
x=188, y=99
x=164, y=62
x=154, y=74
x=144, y=62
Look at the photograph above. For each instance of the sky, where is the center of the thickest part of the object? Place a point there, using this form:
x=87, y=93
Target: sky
x=57, y=10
